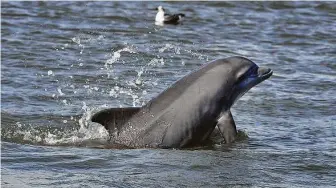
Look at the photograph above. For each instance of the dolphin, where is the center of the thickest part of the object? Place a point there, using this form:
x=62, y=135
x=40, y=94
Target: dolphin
x=185, y=114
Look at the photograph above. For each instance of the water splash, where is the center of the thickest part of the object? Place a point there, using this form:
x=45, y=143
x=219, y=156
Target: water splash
x=200, y=56
x=156, y=62
x=83, y=39
x=60, y=91
x=78, y=131
x=176, y=49
x=50, y=72
x=115, y=57
x=117, y=54
x=77, y=40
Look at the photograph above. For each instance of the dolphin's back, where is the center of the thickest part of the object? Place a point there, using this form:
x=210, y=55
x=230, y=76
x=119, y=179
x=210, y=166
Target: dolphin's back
x=177, y=115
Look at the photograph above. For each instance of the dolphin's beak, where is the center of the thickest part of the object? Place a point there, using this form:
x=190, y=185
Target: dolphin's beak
x=254, y=77
x=264, y=73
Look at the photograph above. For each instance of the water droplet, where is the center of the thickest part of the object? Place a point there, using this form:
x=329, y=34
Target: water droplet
x=60, y=91
x=18, y=124
x=138, y=82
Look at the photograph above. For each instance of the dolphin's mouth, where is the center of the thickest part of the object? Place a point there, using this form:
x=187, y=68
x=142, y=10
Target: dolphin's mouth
x=256, y=75
x=264, y=73
x=252, y=77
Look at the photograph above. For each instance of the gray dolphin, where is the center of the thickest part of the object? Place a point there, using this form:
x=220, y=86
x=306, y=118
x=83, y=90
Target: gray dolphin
x=185, y=114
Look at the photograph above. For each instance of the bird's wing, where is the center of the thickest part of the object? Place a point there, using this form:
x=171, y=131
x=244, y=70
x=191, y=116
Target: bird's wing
x=171, y=18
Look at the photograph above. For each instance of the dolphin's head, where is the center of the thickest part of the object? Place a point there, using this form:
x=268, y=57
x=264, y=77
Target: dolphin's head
x=246, y=74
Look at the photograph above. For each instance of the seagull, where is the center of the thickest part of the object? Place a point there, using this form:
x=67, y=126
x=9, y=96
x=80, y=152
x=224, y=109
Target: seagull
x=162, y=18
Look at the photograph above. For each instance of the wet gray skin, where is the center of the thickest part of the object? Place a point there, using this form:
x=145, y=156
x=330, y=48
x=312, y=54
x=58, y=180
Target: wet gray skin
x=185, y=114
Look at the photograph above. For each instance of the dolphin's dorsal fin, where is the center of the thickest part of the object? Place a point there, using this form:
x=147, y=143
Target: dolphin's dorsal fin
x=114, y=117
x=227, y=127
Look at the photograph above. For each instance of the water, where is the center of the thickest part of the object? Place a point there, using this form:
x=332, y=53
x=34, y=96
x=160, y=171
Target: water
x=63, y=61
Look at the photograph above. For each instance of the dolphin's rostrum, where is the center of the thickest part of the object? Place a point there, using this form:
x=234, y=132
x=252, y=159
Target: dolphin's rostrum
x=185, y=114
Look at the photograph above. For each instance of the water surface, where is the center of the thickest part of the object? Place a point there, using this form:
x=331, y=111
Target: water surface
x=63, y=61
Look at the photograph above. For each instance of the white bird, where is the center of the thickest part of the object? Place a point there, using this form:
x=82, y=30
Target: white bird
x=162, y=18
